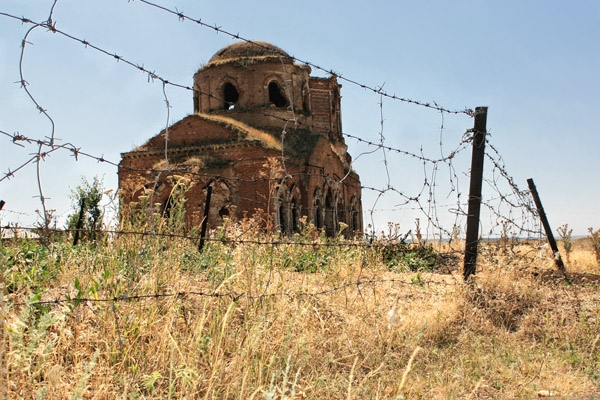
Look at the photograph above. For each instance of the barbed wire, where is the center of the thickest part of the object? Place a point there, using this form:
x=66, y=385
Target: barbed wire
x=424, y=198
x=152, y=75
x=509, y=209
x=75, y=151
x=528, y=221
x=237, y=240
x=51, y=26
x=24, y=85
x=236, y=296
x=522, y=198
x=461, y=146
x=377, y=90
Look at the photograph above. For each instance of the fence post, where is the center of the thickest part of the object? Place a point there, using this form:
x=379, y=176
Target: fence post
x=477, y=158
x=205, y=220
x=79, y=222
x=538, y=203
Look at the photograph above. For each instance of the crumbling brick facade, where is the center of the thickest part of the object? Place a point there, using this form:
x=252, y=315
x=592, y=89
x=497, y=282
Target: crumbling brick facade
x=265, y=135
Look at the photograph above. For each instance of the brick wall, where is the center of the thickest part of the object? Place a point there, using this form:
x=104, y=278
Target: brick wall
x=203, y=150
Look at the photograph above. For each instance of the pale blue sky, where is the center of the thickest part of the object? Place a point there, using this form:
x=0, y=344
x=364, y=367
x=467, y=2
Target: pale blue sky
x=534, y=64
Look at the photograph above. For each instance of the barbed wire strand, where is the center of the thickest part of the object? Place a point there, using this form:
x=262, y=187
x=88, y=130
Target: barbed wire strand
x=77, y=152
x=234, y=296
x=428, y=183
x=24, y=85
x=218, y=29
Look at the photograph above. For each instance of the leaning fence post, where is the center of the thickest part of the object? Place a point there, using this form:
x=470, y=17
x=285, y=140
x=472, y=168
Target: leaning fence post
x=205, y=220
x=538, y=203
x=477, y=158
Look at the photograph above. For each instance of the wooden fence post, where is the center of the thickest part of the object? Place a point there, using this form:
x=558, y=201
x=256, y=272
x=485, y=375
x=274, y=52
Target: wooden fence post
x=538, y=203
x=477, y=158
x=205, y=220
x=79, y=222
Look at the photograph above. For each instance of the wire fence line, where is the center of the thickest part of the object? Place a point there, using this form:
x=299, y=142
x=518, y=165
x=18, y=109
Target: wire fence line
x=378, y=91
x=236, y=296
x=436, y=198
x=509, y=206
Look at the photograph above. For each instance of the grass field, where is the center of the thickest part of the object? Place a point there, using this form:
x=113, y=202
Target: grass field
x=145, y=317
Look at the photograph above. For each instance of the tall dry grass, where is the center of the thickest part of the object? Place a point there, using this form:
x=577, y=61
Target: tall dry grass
x=282, y=321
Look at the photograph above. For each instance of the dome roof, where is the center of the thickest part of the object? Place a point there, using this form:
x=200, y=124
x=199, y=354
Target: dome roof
x=247, y=50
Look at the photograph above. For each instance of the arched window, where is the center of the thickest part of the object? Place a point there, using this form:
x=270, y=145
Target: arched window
x=276, y=95
x=318, y=214
x=230, y=96
x=355, y=220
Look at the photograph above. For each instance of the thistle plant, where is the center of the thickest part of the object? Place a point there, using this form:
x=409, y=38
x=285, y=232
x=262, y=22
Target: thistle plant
x=565, y=236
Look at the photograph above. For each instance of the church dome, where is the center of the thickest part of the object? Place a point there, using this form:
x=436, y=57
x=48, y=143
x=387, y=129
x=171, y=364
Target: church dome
x=250, y=51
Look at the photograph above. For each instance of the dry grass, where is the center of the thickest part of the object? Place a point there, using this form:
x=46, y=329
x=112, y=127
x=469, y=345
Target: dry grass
x=249, y=132
x=516, y=330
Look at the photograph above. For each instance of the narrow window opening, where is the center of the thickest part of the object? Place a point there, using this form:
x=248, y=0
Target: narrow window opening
x=276, y=96
x=355, y=224
x=355, y=217
x=230, y=96
x=318, y=217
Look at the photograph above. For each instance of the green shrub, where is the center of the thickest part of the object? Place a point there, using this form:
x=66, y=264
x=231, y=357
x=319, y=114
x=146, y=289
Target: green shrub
x=406, y=257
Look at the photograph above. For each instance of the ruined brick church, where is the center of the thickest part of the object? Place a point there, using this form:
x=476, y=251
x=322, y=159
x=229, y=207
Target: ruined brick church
x=264, y=135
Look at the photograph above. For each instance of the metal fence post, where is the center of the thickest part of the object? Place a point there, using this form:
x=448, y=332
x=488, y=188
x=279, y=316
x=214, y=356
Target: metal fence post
x=538, y=203
x=478, y=155
x=205, y=220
